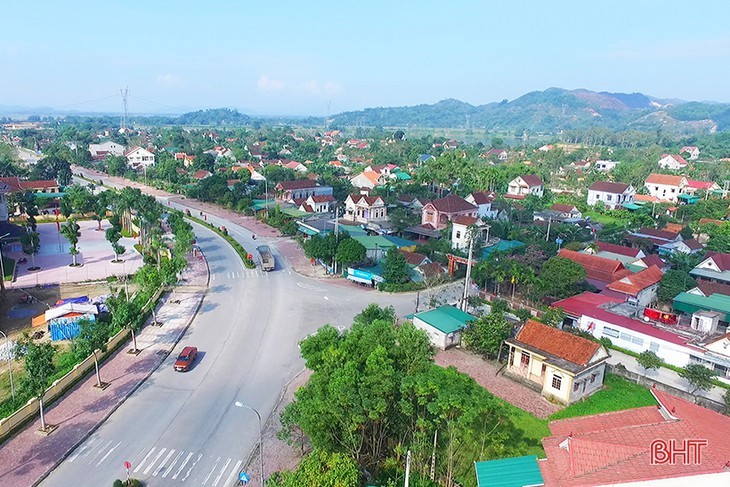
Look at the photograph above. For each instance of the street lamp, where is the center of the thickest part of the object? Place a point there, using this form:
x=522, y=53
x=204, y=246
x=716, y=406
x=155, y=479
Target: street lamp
x=261, y=440
x=10, y=365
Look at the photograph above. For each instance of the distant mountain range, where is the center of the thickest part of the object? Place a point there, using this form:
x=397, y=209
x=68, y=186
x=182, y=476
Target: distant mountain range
x=547, y=111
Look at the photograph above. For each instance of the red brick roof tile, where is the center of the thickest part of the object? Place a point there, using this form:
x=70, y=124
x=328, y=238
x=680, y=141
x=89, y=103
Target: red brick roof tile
x=559, y=343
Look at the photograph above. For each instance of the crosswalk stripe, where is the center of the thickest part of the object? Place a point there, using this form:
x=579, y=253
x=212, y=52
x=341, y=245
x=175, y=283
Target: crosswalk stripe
x=144, y=460
x=162, y=465
x=99, y=451
x=218, y=478
x=233, y=473
x=90, y=449
x=108, y=453
x=187, y=459
x=187, y=474
x=169, y=469
x=211, y=471
x=80, y=450
x=149, y=467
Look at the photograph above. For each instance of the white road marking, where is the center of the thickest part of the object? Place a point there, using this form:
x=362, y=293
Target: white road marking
x=158, y=470
x=90, y=449
x=212, y=277
x=144, y=460
x=218, y=478
x=99, y=452
x=108, y=453
x=187, y=474
x=149, y=467
x=80, y=450
x=327, y=298
x=187, y=459
x=234, y=472
x=211, y=472
x=169, y=469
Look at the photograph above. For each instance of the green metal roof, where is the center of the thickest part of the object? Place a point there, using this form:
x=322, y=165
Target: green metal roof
x=402, y=175
x=632, y=206
x=400, y=242
x=501, y=246
x=689, y=303
x=446, y=319
x=296, y=213
x=374, y=242
x=307, y=231
x=509, y=472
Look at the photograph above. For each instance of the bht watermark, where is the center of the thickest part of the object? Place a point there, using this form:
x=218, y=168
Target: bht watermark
x=674, y=452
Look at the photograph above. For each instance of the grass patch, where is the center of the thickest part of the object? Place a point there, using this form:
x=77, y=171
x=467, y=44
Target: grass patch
x=9, y=268
x=533, y=428
x=618, y=394
x=605, y=219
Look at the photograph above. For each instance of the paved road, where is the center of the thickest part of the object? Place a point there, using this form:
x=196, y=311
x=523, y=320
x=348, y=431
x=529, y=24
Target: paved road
x=184, y=428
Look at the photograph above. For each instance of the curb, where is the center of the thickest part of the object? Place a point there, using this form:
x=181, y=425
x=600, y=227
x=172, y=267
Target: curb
x=132, y=391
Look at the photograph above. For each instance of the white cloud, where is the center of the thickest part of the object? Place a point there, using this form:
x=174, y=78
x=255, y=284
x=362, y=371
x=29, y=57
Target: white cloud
x=167, y=80
x=269, y=84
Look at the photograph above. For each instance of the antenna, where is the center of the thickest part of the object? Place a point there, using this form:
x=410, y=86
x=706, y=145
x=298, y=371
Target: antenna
x=125, y=94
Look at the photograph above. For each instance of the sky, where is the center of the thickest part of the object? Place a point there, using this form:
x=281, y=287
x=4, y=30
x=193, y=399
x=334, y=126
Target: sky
x=320, y=58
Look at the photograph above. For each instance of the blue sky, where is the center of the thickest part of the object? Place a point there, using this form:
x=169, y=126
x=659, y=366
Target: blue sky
x=313, y=58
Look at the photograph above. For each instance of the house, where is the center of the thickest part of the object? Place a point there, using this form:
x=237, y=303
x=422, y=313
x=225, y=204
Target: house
x=443, y=325
x=483, y=202
x=689, y=246
x=693, y=186
x=692, y=151
x=186, y=159
x=138, y=157
x=366, y=179
x=620, y=447
x=460, y=236
x=414, y=258
x=672, y=162
x=522, y=186
x=99, y=152
x=638, y=289
x=665, y=187
x=566, y=211
x=708, y=288
x=612, y=195
x=361, y=208
x=412, y=202
x=295, y=166
x=660, y=238
x=318, y=204
x=698, y=306
x=439, y=212
x=648, y=261
x=564, y=366
x=599, y=271
x=499, y=154
x=300, y=188
x=605, y=166
x=625, y=255
x=201, y=174
x=715, y=268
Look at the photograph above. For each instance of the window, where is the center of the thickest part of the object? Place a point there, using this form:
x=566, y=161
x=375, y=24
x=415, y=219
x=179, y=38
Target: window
x=593, y=378
x=610, y=332
x=557, y=381
x=632, y=339
x=609, y=197
x=576, y=386
x=524, y=359
x=654, y=347
x=458, y=234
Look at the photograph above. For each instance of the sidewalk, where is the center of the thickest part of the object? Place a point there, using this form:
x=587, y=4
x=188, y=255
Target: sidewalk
x=27, y=457
x=663, y=376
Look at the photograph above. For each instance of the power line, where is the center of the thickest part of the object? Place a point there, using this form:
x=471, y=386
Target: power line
x=157, y=103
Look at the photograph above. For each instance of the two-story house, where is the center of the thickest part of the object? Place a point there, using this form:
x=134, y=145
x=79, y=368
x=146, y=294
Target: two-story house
x=611, y=194
x=672, y=162
x=692, y=151
x=665, y=186
x=522, y=186
x=715, y=268
x=438, y=213
x=361, y=208
x=138, y=157
x=638, y=289
x=483, y=201
x=300, y=188
x=322, y=203
x=460, y=233
x=99, y=152
x=366, y=179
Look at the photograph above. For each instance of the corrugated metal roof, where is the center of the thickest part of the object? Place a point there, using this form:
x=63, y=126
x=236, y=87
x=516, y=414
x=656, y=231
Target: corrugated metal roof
x=446, y=319
x=509, y=472
x=689, y=303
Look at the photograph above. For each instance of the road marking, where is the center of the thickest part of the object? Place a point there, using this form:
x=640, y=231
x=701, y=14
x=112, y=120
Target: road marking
x=212, y=277
x=325, y=297
x=149, y=467
x=187, y=459
x=108, y=453
x=99, y=451
x=80, y=450
x=223, y=470
x=187, y=474
x=240, y=274
x=234, y=472
x=90, y=448
x=169, y=469
x=159, y=469
x=211, y=472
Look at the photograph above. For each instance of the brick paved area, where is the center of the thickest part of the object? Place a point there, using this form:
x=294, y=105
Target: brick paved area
x=485, y=373
x=27, y=457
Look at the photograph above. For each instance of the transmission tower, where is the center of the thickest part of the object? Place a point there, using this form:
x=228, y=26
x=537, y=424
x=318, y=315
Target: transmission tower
x=125, y=94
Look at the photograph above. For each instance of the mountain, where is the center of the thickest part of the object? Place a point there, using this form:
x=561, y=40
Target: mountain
x=552, y=110
x=214, y=116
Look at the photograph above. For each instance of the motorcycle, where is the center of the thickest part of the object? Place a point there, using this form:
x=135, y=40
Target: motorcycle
x=22, y=260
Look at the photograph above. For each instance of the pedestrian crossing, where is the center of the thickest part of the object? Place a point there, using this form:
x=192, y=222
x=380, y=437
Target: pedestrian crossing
x=171, y=464
x=247, y=273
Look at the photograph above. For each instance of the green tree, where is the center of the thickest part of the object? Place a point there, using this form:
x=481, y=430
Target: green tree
x=70, y=230
x=53, y=167
x=553, y=317
x=125, y=314
x=92, y=338
x=38, y=360
x=487, y=334
x=699, y=377
x=560, y=277
x=649, y=361
x=350, y=251
x=99, y=206
x=395, y=267
x=31, y=241
x=719, y=237
x=319, y=469
x=78, y=199
x=674, y=282
x=113, y=235
x=116, y=165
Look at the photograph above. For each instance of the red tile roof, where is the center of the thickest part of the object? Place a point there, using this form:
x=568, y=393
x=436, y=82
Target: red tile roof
x=693, y=183
x=482, y=198
x=597, y=268
x=666, y=179
x=654, y=232
x=635, y=283
x=562, y=344
x=465, y=220
x=709, y=288
x=452, y=204
x=532, y=180
x=413, y=258
x=563, y=208
x=297, y=184
x=722, y=261
x=609, y=187
x=322, y=198
x=653, y=259
x=201, y=174
x=618, y=249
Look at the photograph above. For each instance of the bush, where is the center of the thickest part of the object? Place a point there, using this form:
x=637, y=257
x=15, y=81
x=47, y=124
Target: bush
x=392, y=287
x=118, y=483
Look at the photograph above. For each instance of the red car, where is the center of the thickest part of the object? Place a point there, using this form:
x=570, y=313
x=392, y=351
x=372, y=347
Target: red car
x=185, y=359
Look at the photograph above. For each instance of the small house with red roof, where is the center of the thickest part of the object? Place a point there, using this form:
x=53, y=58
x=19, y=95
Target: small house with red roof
x=317, y=203
x=439, y=212
x=522, y=186
x=666, y=187
x=715, y=267
x=672, y=161
x=599, y=271
x=565, y=366
x=691, y=150
x=620, y=253
x=483, y=201
x=300, y=188
x=201, y=174
x=361, y=208
x=612, y=195
x=367, y=179
x=638, y=289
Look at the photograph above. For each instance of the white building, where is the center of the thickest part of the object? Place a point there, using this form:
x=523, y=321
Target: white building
x=365, y=209
x=460, y=235
x=106, y=148
x=138, y=157
x=528, y=184
x=665, y=186
x=483, y=202
x=672, y=162
x=605, y=166
x=443, y=325
x=613, y=195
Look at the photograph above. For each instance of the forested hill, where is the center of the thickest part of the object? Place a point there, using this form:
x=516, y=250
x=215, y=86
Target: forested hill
x=552, y=110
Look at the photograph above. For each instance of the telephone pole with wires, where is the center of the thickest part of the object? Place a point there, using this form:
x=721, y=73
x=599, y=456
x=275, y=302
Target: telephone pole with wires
x=125, y=95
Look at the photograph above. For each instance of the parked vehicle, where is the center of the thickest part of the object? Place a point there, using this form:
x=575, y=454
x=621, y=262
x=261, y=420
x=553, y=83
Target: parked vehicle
x=185, y=359
x=266, y=258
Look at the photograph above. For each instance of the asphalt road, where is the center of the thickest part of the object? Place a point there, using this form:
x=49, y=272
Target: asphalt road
x=183, y=428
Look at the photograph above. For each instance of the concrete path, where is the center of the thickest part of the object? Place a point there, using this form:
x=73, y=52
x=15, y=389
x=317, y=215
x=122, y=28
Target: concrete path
x=27, y=457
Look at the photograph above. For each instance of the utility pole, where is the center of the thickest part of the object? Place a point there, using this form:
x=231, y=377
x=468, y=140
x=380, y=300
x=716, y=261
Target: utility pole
x=468, y=272
x=408, y=468
x=547, y=235
x=125, y=94
x=433, y=455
